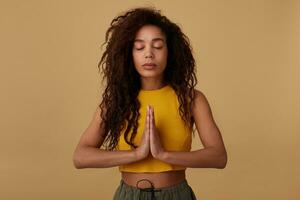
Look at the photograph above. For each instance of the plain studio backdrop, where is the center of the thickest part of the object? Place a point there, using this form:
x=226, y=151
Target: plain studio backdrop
x=248, y=66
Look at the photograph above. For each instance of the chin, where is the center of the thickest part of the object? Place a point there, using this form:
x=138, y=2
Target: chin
x=145, y=72
x=148, y=75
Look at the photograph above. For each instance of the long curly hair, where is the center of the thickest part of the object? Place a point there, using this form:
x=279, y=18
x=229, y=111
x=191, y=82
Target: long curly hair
x=120, y=105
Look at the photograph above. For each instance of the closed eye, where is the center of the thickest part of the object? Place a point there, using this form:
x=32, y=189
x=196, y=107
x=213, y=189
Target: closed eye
x=154, y=47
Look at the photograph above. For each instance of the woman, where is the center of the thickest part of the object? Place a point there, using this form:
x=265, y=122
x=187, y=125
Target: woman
x=148, y=110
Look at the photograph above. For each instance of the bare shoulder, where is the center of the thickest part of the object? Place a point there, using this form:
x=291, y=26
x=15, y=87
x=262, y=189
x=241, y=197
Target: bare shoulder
x=208, y=130
x=93, y=136
x=200, y=103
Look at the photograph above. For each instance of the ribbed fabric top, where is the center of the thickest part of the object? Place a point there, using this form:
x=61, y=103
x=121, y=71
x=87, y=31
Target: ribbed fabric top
x=174, y=135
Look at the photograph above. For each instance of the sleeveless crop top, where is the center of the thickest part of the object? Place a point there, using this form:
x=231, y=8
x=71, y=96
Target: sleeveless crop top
x=173, y=133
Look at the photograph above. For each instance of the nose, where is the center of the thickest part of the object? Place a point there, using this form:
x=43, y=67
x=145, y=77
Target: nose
x=148, y=53
x=149, y=56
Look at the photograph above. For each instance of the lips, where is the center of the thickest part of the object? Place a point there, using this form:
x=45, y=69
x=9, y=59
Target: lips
x=149, y=64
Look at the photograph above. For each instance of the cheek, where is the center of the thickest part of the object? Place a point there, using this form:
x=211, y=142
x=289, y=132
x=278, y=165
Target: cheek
x=137, y=59
x=166, y=55
x=134, y=56
x=163, y=56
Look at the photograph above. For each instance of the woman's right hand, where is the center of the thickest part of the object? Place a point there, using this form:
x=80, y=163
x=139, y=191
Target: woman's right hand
x=144, y=148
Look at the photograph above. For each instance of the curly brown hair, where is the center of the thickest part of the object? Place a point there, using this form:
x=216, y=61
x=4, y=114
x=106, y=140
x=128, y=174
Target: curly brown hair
x=120, y=104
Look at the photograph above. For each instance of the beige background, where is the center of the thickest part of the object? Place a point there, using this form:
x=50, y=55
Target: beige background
x=247, y=65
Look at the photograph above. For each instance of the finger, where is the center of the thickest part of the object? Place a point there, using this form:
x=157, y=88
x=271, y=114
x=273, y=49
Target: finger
x=153, y=118
x=150, y=119
x=146, y=120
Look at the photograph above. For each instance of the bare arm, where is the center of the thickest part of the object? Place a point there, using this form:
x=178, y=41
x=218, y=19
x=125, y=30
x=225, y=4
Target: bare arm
x=202, y=158
x=88, y=154
x=213, y=155
x=91, y=157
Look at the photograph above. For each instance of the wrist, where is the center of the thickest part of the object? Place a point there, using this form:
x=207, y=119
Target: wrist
x=162, y=155
x=137, y=155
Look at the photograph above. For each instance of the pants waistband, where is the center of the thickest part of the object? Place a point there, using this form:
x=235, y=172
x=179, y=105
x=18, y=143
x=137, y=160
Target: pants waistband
x=183, y=184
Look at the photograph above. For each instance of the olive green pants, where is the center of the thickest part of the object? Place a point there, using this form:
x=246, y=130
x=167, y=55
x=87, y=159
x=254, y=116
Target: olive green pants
x=180, y=191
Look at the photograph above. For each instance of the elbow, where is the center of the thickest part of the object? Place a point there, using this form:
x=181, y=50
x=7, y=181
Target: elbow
x=222, y=161
x=77, y=161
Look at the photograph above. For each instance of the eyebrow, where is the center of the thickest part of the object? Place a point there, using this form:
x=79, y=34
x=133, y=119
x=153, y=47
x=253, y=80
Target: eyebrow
x=154, y=39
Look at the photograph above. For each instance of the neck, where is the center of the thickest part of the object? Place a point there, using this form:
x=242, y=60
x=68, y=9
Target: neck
x=151, y=84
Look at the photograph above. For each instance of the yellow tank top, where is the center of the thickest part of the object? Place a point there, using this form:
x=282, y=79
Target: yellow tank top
x=174, y=135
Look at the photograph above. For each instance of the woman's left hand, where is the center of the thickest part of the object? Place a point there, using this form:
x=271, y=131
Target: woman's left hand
x=156, y=147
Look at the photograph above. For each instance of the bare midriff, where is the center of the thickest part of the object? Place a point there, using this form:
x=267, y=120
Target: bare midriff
x=158, y=179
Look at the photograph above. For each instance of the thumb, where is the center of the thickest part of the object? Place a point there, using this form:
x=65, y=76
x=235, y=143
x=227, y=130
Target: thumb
x=147, y=123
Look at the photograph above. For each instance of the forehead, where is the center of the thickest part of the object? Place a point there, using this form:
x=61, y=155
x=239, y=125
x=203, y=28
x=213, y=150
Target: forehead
x=149, y=33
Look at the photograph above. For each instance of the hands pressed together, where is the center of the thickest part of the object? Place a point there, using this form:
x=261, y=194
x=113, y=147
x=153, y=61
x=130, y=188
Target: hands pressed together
x=150, y=142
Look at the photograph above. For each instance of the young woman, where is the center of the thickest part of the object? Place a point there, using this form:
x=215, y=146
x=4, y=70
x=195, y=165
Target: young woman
x=148, y=110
